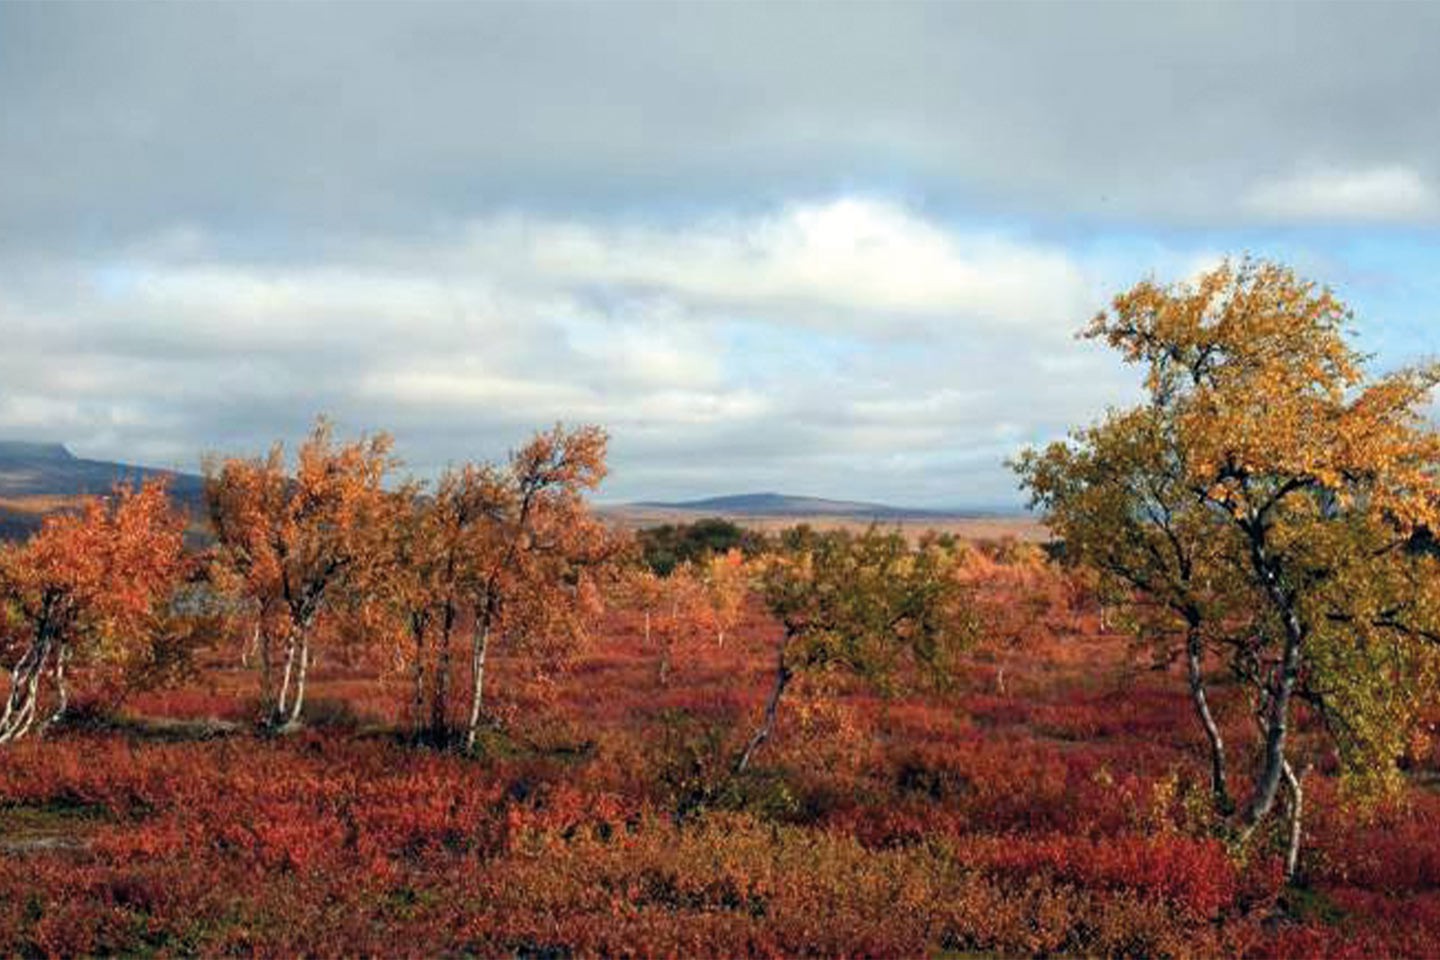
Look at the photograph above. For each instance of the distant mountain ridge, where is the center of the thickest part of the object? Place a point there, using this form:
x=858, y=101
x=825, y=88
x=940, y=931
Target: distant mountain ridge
x=788, y=505
x=50, y=470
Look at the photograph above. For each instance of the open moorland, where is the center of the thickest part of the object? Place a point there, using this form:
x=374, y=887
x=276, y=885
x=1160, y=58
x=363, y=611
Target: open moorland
x=367, y=714
x=1027, y=529
x=675, y=479
x=1051, y=803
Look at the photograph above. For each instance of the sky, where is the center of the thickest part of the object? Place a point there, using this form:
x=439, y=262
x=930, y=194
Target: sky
x=836, y=249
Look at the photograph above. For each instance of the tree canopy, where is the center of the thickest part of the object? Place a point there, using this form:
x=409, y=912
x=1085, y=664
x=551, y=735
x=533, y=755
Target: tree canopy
x=869, y=604
x=1266, y=497
x=89, y=588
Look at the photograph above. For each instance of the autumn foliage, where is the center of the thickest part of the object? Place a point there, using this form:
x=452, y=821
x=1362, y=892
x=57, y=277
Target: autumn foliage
x=289, y=543
x=510, y=557
x=1063, y=817
x=376, y=715
x=1264, y=505
x=88, y=593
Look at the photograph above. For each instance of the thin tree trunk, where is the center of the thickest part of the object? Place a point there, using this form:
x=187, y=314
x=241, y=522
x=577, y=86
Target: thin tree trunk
x=783, y=676
x=1219, y=789
x=23, y=718
x=24, y=697
x=478, y=653
x=62, y=692
x=417, y=630
x=1278, y=716
x=1297, y=812
x=19, y=685
x=1277, y=719
x=440, y=701
x=282, y=696
x=302, y=672
x=245, y=650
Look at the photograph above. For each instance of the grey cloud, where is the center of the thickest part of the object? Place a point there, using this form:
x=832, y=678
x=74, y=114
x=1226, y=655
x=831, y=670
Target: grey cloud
x=460, y=221
x=165, y=356
x=288, y=120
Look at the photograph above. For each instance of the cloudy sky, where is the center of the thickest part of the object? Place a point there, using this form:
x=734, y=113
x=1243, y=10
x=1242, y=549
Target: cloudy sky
x=836, y=249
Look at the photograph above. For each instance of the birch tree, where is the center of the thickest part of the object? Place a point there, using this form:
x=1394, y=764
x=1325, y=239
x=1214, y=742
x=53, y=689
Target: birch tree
x=868, y=604
x=725, y=581
x=428, y=580
x=536, y=557
x=291, y=542
x=86, y=590
x=1117, y=496
x=1287, y=470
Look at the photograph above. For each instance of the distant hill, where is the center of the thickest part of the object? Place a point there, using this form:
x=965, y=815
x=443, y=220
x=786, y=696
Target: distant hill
x=49, y=469
x=786, y=505
x=38, y=478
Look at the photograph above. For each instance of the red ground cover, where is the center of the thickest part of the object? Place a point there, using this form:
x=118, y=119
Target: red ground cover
x=1063, y=815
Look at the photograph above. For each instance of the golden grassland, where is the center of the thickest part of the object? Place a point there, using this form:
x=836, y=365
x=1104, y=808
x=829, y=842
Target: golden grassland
x=1026, y=529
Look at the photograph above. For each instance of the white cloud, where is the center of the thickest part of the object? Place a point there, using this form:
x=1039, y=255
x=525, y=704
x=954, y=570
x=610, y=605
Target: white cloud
x=824, y=343
x=857, y=261
x=468, y=391
x=193, y=251
x=1393, y=193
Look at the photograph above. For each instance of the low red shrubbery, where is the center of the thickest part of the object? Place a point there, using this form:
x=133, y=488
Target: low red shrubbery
x=1063, y=816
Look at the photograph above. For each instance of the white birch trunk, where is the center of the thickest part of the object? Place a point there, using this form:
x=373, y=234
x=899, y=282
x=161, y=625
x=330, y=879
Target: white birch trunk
x=477, y=696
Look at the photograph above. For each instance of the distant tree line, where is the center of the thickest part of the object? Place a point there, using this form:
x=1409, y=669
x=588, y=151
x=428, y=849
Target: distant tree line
x=669, y=545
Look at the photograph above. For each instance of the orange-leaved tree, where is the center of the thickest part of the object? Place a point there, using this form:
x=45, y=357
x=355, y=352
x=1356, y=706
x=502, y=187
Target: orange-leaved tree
x=725, y=582
x=510, y=555
x=536, y=557
x=291, y=542
x=427, y=584
x=643, y=590
x=87, y=589
x=675, y=609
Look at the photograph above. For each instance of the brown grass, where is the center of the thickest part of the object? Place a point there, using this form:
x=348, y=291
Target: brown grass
x=40, y=504
x=1024, y=528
